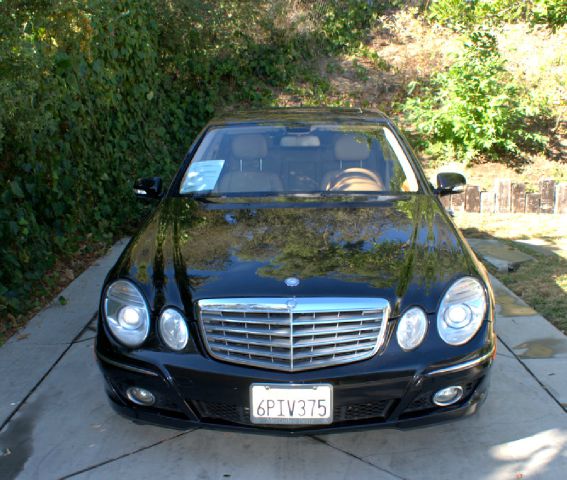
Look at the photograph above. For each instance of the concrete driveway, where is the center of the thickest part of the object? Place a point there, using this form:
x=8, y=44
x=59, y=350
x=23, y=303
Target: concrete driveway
x=57, y=423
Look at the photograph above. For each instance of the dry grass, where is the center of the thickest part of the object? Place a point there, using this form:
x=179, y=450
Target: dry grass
x=407, y=50
x=513, y=226
x=542, y=284
x=414, y=48
x=538, y=59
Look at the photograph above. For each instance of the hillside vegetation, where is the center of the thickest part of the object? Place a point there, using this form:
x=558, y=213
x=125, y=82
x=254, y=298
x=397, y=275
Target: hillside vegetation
x=95, y=93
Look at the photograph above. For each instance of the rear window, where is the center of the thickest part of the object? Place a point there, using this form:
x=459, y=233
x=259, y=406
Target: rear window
x=304, y=159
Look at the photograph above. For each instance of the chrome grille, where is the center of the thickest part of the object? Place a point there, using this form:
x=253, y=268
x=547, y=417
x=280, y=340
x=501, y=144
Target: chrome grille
x=293, y=334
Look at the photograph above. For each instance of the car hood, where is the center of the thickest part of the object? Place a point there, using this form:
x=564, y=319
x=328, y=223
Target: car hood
x=401, y=248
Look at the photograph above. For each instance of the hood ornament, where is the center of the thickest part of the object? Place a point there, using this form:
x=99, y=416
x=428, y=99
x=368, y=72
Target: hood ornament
x=292, y=281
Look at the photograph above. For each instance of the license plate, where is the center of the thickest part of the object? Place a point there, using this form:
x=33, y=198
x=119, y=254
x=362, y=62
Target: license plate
x=291, y=404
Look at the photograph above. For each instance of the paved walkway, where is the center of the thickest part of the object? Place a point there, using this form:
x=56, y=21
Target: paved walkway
x=56, y=422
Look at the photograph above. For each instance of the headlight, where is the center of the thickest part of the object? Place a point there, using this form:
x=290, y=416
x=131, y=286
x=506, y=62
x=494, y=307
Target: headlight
x=411, y=329
x=126, y=313
x=461, y=311
x=173, y=329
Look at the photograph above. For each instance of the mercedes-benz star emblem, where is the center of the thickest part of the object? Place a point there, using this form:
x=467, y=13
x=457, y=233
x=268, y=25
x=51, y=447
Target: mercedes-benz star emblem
x=291, y=303
x=292, y=281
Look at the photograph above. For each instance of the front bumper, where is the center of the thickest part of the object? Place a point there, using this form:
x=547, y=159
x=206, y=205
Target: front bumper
x=215, y=395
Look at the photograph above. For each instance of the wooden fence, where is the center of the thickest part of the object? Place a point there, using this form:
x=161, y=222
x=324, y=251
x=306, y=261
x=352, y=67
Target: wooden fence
x=508, y=197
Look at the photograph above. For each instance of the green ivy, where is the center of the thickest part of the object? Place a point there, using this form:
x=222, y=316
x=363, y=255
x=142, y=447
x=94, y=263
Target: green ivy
x=95, y=93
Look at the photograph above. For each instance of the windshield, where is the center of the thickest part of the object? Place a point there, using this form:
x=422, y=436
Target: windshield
x=309, y=159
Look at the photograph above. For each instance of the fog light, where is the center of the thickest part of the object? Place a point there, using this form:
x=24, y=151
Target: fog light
x=448, y=396
x=141, y=396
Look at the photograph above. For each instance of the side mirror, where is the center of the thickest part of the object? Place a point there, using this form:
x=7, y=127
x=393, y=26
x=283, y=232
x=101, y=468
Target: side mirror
x=450, y=182
x=148, y=187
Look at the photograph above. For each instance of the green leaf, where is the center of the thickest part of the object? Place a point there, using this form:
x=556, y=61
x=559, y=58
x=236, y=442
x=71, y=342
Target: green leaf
x=16, y=189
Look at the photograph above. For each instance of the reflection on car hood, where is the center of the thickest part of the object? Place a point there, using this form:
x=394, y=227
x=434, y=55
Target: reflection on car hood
x=402, y=248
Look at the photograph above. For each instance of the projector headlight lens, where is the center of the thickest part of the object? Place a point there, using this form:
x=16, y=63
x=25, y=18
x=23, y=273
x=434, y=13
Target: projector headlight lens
x=461, y=311
x=126, y=313
x=412, y=329
x=173, y=329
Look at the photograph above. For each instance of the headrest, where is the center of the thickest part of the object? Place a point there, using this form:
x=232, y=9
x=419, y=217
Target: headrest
x=249, y=147
x=352, y=148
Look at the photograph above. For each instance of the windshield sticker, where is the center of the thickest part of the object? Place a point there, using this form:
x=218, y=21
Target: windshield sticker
x=202, y=176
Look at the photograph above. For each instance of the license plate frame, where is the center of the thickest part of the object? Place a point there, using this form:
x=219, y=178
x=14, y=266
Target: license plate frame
x=320, y=391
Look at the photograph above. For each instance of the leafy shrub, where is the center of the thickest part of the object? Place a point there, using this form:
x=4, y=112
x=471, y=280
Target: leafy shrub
x=344, y=24
x=95, y=93
x=474, y=108
x=452, y=13
x=552, y=13
x=460, y=14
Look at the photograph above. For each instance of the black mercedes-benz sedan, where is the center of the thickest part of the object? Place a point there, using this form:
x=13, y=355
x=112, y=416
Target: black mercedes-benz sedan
x=299, y=275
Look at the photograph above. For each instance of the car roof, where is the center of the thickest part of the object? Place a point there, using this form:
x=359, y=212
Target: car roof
x=299, y=115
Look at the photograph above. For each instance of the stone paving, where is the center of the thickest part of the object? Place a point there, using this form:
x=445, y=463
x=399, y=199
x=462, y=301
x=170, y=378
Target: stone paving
x=535, y=342
x=501, y=256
